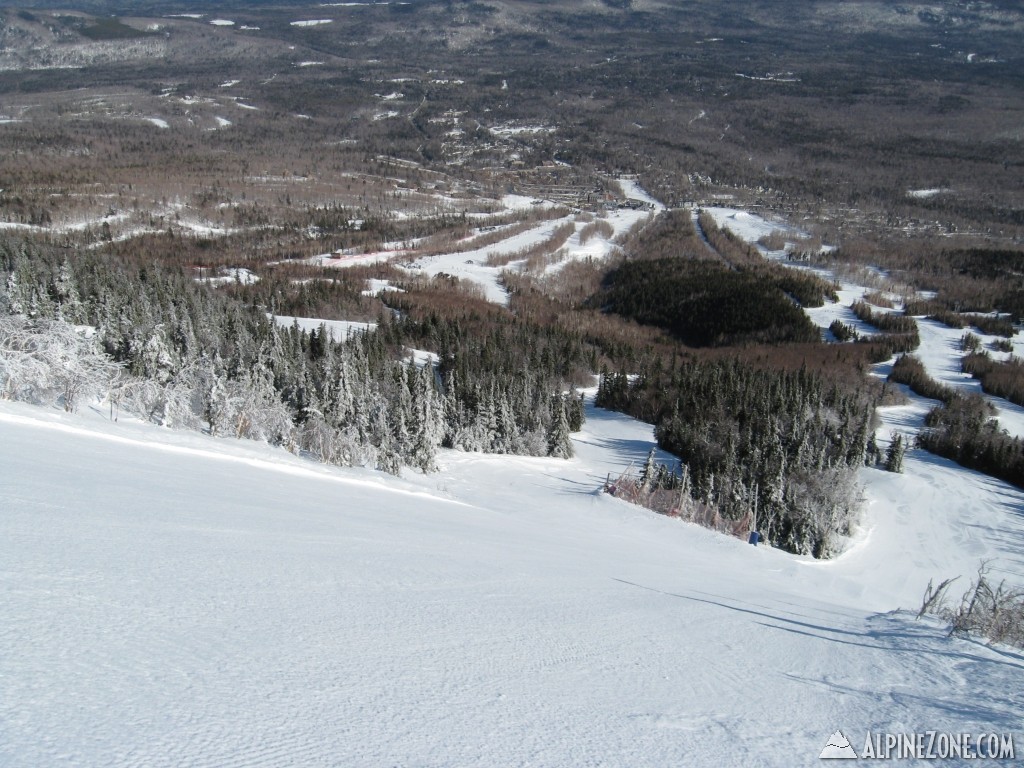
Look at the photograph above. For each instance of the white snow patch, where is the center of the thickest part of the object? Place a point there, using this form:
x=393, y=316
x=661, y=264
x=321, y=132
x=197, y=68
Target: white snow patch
x=222, y=22
x=157, y=121
x=926, y=193
x=339, y=330
x=471, y=265
x=311, y=22
x=66, y=226
x=748, y=226
x=375, y=286
x=506, y=131
x=204, y=229
x=524, y=203
x=231, y=275
x=341, y=259
x=632, y=190
x=229, y=83
x=421, y=358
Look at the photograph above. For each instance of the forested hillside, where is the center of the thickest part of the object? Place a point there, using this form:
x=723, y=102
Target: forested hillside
x=188, y=356
x=515, y=202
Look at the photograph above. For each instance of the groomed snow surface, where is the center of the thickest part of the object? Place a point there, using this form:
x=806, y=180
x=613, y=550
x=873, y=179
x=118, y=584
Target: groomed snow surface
x=174, y=599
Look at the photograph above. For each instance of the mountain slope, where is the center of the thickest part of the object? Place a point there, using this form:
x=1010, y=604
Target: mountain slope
x=170, y=599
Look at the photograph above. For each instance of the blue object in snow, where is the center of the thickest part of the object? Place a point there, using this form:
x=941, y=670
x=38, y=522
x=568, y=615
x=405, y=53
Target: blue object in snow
x=754, y=538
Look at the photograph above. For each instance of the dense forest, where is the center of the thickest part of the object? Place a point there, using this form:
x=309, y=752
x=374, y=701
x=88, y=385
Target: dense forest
x=703, y=303
x=779, y=449
x=189, y=356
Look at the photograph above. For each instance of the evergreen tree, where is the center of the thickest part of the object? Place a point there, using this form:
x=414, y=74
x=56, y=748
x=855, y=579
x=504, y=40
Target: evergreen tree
x=559, y=441
x=894, y=454
x=872, y=454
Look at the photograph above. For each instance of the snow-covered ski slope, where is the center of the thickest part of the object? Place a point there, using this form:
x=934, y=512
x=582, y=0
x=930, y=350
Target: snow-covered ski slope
x=173, y=599
x=472, y=266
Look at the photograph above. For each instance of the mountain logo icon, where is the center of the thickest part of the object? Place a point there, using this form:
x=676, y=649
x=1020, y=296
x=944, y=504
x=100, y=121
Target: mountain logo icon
x=838, y=748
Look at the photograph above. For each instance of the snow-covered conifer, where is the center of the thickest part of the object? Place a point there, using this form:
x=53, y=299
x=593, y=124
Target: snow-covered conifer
x=559, y=440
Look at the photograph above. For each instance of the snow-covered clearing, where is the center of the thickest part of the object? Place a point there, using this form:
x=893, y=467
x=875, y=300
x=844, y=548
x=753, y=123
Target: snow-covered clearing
x=339, y=330
x=375, y=286
x=632, y=190
x=939, y=351
x=205, y=229
x=746, y=225
x=342, y=260
x=171, y=598
x=421, y=357
x=941, y=354
x=311, y=22
x=524, y=203
x=507, y=131
x=77, y=225
x=926, y=193
x=229, y=275
x=222, y=22
x=472, y=265
x=157, y=121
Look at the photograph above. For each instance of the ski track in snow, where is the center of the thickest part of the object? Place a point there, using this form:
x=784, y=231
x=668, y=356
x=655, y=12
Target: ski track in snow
x=170, y=598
